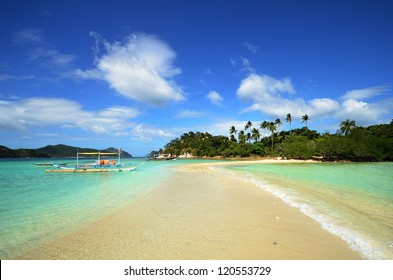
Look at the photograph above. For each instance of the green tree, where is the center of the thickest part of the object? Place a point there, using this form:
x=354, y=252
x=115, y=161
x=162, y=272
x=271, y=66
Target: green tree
x=248, y=137
x=305, y=119
x=278, y=123
x=264, y=125
x=298, y=147
x=288, y=119
x=346, y=126
x=258, y=149
x=232, y=132
x=272, y=128
x=248, y=125
x=255, y=134
x=242, y=137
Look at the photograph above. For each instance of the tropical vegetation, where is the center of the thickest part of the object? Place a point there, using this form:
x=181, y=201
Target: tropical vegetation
x=266, y=139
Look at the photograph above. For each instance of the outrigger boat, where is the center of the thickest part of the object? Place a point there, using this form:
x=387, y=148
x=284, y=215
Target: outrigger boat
x=49, y=164
x=98, y=166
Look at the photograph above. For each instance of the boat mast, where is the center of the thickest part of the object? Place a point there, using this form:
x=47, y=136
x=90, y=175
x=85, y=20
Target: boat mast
x=77, y=156
x=119, y=152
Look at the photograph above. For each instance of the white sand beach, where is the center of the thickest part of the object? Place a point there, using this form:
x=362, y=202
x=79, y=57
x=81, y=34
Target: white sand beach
x=200, y=213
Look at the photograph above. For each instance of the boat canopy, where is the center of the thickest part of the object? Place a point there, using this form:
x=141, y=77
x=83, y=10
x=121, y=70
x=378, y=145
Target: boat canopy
x=97, y=153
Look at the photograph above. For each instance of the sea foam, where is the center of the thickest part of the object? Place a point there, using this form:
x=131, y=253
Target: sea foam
x=326, y=218
x=354, y=239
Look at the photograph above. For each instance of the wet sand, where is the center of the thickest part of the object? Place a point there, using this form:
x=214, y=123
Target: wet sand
x=202, y=214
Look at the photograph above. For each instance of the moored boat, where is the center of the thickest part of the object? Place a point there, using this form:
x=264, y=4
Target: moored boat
x=100, y=165
x=48, y=164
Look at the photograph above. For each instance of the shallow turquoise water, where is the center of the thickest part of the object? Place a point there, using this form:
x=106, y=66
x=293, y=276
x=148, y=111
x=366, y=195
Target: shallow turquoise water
x=354, y=201
x=36, y=206
x=351, y=200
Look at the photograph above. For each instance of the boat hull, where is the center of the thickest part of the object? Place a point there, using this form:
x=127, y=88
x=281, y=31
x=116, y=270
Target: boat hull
x=90, y=170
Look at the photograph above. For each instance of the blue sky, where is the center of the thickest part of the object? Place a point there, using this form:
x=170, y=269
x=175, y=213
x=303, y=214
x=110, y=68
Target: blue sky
x=135, y=74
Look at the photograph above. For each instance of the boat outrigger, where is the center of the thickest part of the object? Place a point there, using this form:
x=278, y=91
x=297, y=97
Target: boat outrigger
x=99, y=165
x=48, y=164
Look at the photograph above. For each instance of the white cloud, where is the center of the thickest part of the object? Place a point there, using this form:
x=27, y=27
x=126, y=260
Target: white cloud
x=28, y=36
x=252, y=48
x=242, y=62
x=58, y=112
x=215, y=98
x=222, y=126
x=365, y=113
x=365, y=93
x=265, y=93
x=279, y=107
x=51, y=57
x=141, y=69
x=146, y=133
x=6, y=77
x=267, y=96
x=208, y=71
x=362, y=112
x=40, y=50
x=184, y=114
x=89, y=74
x=263, y=88
x=323, y=106
x=246, y=65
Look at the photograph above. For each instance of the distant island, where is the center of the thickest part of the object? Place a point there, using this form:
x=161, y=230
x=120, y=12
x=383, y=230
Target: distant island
x=52, y=151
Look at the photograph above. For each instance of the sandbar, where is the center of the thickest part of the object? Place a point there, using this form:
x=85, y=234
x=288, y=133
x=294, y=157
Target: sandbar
x=199, y=213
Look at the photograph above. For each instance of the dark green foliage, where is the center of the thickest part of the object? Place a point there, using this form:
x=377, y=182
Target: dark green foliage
x=258, y=149
x=332, y=147
x=374, y=143
x=152, y=154
x=61, y=150
x=123, y=154
x=203, y=144
x=304, y=131
x=50, y=151
x=382, y=130
x=24, y=153
x=360, y=145
x=298, y=147
x=6, y=152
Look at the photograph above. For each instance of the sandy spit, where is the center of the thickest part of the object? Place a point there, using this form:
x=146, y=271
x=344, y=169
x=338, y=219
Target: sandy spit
x=200, y=213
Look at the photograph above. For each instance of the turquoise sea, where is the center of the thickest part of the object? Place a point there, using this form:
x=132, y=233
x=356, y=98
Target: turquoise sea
x=36, y=206
x=351, y=200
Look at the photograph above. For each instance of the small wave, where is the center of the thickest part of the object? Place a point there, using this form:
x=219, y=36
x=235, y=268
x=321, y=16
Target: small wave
x=354, y=239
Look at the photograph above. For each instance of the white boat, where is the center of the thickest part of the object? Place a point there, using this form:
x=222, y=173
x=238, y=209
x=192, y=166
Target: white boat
x=100, y=165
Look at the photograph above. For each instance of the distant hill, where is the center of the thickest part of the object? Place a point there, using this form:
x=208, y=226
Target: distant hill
x=6, y=152
x=52, y=151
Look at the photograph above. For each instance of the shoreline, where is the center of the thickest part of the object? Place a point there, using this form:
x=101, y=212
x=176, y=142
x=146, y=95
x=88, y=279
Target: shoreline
x=199, y=213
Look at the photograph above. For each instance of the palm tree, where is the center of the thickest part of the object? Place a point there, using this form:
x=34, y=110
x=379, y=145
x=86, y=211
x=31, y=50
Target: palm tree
x=305, y=119
x=242, y=137
x=281, y=136
x=277, y=122
x=248, y=125
x=272, y=127
x=347, y=126
x=248, y=137
x=255, y=134
x=264, y=125
x=232, y=132
x=289, y=119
